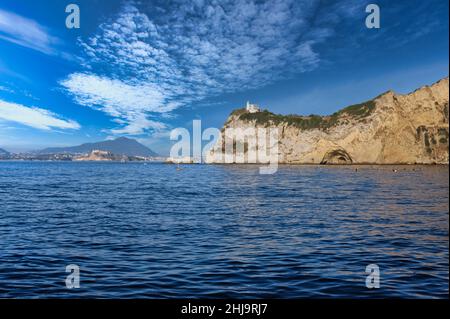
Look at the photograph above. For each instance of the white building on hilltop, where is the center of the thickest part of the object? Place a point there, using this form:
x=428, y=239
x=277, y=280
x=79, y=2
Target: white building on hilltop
x=252, y=108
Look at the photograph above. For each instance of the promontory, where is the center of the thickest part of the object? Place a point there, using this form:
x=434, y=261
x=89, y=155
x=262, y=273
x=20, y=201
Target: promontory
x=389, y=129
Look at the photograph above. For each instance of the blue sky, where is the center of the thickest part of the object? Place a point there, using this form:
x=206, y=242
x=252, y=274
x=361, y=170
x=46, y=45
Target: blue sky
x=142, y=68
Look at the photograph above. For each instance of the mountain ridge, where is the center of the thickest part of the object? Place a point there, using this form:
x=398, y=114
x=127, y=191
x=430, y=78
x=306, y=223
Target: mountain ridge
x=119, y=146
x=4, y=152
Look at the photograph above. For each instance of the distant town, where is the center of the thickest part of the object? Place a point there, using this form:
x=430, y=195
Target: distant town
x=121, y=149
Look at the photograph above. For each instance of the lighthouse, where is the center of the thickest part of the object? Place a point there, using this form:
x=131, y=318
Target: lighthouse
x=252, y=108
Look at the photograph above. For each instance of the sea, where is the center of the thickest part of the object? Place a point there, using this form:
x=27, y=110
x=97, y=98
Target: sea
x=155, y=230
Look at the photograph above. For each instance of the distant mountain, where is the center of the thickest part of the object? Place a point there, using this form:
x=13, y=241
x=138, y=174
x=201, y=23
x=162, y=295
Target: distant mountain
x=3, y=152
x=119, y=146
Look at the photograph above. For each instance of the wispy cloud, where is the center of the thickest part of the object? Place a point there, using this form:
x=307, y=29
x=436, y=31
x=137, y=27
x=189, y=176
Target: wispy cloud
x=126, y=102
x=34, y=117
x=25, y=32
x=154, y=59
x=10, y=88
x=6, y=89
x=419, y=24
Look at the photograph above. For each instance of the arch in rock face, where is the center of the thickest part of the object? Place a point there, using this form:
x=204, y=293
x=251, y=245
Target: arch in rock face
x=338, y=156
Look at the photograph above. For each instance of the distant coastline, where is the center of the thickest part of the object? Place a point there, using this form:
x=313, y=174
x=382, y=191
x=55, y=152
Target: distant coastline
x=391, y=129
x=120, y=150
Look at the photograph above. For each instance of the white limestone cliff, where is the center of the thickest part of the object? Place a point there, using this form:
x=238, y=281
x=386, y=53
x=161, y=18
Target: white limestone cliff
x=390, y=129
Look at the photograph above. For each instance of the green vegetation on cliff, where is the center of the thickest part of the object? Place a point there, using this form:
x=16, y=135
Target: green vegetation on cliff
x=357, y=111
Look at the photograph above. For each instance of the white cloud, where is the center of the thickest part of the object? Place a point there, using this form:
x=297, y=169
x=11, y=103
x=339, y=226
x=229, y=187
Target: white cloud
x=127, y=103
x=138, y=126
x=34, y=117
x=6, y=89
x=25, y=32
x=115, y=97
x=170, y=56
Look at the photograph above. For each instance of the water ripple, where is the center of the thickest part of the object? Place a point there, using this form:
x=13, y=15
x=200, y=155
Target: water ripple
x=150, y=231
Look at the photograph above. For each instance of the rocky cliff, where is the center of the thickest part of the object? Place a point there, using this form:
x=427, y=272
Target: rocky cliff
x=390, y=129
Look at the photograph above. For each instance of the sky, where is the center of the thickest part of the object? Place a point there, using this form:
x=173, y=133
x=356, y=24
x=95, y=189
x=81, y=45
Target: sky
x=142, y=68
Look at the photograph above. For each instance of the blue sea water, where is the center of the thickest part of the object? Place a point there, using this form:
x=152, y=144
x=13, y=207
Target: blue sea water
x=151, y=231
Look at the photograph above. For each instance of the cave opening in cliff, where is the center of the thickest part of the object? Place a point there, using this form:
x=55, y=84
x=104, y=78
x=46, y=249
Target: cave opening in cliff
x=337, y=157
